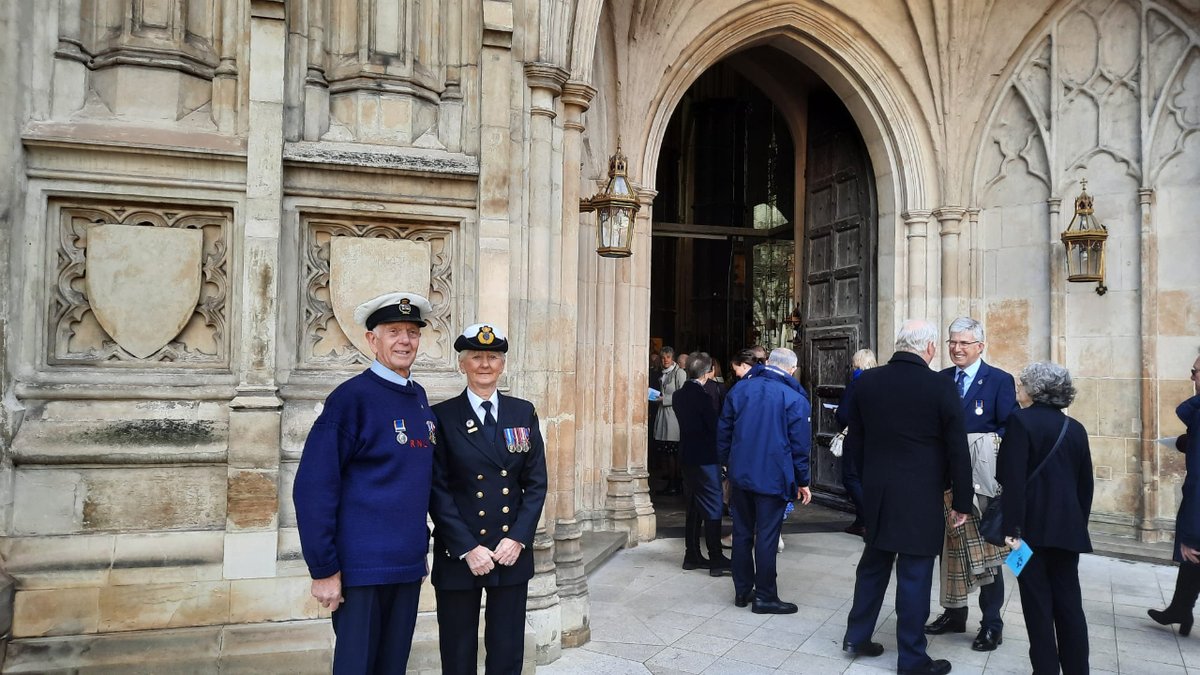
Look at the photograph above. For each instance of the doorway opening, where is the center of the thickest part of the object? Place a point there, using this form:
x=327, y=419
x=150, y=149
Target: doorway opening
x=764, y=235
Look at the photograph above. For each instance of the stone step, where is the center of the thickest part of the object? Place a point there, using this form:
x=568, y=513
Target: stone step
x=596, y=547
x=1116, y=546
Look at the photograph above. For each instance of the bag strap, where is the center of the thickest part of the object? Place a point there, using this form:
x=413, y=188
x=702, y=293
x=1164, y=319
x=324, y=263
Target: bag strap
x=1061, y=435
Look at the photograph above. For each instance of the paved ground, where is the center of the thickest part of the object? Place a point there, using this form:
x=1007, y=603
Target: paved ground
x=650, y=616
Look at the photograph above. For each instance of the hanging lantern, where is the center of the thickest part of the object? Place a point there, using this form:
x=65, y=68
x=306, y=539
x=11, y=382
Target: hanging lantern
x=616, y=207
x=1084, y=240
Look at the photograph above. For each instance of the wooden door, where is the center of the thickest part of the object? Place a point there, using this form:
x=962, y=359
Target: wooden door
x=838, y=285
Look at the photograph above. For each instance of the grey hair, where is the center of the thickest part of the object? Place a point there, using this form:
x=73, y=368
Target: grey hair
x=915, y=336
x=698, y=364
x=782, y=357
x=1048, y=383
x=965, y=324
x=462, y=356
x=864, y=358
x=667, y=351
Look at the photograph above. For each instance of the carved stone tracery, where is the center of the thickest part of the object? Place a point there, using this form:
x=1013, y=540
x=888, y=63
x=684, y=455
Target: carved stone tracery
x=323, y=343
x=77, y=337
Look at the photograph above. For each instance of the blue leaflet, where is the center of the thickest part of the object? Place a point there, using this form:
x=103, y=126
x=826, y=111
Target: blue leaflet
x=1017, y=559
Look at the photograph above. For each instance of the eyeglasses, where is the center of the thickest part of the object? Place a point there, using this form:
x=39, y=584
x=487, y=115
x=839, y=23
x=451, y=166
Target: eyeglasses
x=961, y=343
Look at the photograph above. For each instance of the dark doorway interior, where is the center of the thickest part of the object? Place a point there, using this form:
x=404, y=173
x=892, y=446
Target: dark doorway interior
x=740, y=258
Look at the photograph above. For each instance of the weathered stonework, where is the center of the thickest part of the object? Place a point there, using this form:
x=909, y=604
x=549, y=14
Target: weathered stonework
x=146, y=463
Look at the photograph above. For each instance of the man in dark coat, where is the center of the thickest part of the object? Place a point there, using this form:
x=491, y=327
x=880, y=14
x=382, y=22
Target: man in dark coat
x=489, y=486
x=989, y=396
x=906, y=432
x=763, y=437
x=697, y=411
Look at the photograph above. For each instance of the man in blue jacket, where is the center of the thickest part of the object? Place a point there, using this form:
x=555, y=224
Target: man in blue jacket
x=362, y=491
x=763, y=438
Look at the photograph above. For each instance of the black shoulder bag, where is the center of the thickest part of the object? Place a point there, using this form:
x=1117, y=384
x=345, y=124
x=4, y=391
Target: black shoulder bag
x=991, y=523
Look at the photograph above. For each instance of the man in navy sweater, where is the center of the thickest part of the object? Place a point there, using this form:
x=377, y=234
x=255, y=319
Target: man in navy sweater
x=362, y=491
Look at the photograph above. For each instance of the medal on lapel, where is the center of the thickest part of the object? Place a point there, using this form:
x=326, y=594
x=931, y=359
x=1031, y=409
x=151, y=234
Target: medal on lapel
x=432, y=431
x=401, y=432
x=979, y=407
x=517, y=439
x=471, y=427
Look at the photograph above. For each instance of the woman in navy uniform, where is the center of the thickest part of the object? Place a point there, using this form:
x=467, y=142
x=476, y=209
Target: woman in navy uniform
x=489, y=486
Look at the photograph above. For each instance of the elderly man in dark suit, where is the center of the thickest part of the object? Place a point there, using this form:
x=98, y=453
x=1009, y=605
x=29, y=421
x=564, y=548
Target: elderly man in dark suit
x=989, y=396
x=906, y=433
x=489, y=486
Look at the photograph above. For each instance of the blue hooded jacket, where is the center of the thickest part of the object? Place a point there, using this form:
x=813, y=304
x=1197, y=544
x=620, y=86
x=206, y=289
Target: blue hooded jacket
x=764, y=434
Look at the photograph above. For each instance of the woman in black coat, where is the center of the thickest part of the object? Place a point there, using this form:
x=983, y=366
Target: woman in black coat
x=1187, y=521
x=1050, y=513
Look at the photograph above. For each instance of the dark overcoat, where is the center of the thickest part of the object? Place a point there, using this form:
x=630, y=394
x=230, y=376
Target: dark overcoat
x=483, y=492
x=906, y=433
x=1051, y=510
x=1187, y=521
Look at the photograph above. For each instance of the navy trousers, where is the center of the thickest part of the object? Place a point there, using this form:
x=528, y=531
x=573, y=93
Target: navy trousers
x=991, y=599
x=852, y=481
x=914, y=580
x=503, y=630
x=374, y=628
x=1053, y=607
x=757, y=520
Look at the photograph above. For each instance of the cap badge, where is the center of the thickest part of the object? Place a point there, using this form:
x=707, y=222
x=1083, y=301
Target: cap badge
x=486, y=336
x=405, y=306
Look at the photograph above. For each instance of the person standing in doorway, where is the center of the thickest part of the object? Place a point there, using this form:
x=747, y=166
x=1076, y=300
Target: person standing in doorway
x=666, y=425
x=697, y=413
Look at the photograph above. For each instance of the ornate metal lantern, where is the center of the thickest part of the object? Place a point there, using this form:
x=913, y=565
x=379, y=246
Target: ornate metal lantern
x=616, y=207
x=1084, y=240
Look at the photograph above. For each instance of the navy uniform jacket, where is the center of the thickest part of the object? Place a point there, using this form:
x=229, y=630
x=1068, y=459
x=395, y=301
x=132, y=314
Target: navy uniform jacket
x=1187, y=521
x=993, y=392
x=906, y=433
x=483, y=493
x=1052, y=510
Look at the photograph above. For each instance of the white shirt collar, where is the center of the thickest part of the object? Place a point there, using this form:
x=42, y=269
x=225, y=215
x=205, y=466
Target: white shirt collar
x=475, y=400
x=388, y=374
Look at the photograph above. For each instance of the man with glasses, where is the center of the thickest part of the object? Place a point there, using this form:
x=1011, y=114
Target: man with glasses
x=988, y=397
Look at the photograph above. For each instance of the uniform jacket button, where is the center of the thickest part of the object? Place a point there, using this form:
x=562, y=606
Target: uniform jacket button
x=504, y=510
x=482, y=532
x=505, y=528
x=482, y=514
x=503, y=472
x=479, y=495
x=504, y=491
x=479, y=477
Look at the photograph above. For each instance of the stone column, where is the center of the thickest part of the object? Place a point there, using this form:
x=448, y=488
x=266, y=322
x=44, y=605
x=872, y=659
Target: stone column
x=1058, y=286
x=316, y=87
x=541, y=331
x=252, y=518
x=975, y=273
x=950, y=228
x=225, y=78
x=568, y=558
x=915, y=228
x=1147, y=531
x=628, y=499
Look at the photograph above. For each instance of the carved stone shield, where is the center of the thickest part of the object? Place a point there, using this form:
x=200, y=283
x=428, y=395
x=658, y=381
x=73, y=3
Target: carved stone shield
x=143, y=283
x=361, y=269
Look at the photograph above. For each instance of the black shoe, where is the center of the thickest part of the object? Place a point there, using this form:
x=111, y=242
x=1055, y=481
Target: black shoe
x=743, y=600
x=862, y=649
x=1169, y=616
x=773, y=607
x=939, y=667
x=696, y=562
x=987, y=640
x=720, y=568
x=949, y=622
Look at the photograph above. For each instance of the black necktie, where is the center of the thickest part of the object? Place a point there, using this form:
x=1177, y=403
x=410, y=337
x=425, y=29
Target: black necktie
x=489, y=420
